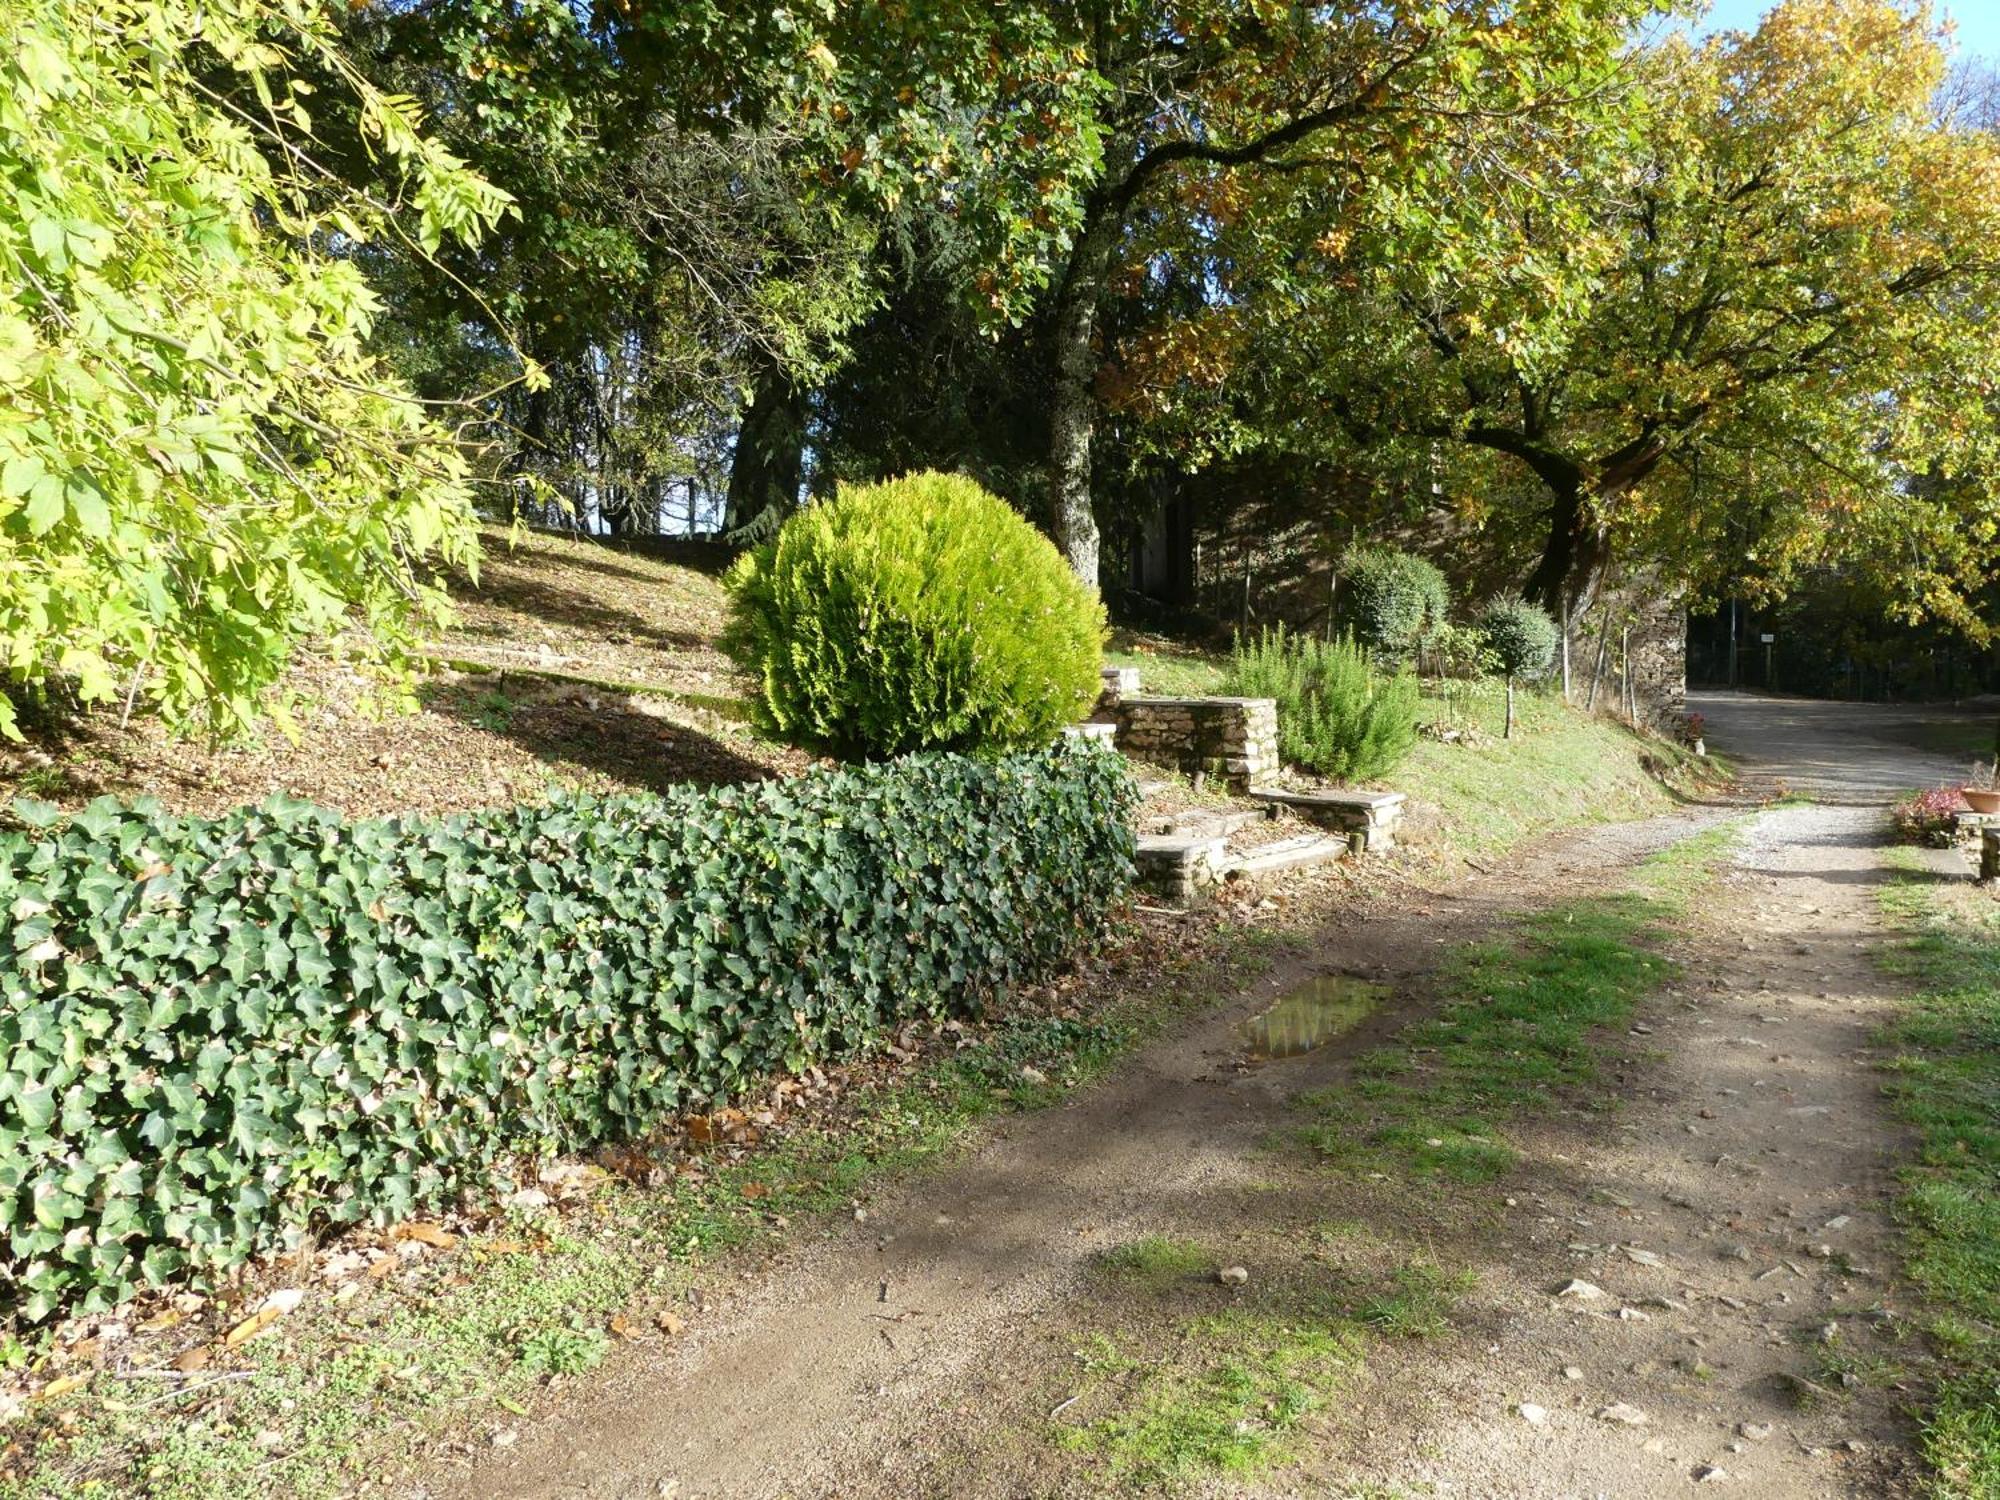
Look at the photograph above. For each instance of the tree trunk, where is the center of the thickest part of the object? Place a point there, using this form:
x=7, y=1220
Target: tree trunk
x=1572, y=558
x=769, y=461
x=1072, y=393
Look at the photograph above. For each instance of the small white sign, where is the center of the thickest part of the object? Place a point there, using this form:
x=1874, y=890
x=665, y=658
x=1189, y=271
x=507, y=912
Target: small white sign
x=1767, y=638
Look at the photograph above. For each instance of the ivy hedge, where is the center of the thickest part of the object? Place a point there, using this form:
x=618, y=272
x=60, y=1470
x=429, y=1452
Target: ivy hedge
x=218, y=1032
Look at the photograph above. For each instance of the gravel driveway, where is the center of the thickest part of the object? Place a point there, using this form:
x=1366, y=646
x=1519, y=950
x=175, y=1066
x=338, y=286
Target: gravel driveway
x=1842, y=752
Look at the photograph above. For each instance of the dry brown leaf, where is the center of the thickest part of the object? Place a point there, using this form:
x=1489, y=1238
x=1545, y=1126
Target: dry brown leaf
x=385, y=1265
x=700, y=1129
x=621, y=1327
x=756, y=1189
x=64, y=1386
x=193, y=1359
x=160, y=1321
x=670, y=1324
x=250, y=1327
x=424, y=1234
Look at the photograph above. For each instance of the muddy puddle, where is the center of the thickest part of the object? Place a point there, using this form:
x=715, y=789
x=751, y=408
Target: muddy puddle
x=1323, y=1008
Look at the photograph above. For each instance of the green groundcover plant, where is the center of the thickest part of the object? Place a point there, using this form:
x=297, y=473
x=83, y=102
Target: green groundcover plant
x=918, y=614
x=219, y=1033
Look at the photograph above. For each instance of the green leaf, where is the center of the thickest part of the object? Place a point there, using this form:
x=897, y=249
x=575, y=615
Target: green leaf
x=45, y=505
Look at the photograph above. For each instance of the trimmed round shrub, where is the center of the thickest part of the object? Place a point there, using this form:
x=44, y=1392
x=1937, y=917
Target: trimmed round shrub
x=922, y=613
x=1391, y=601
x=1521, y=636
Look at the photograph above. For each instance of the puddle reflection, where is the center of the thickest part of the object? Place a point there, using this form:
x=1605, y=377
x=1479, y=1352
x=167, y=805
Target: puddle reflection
x=1324, y=1007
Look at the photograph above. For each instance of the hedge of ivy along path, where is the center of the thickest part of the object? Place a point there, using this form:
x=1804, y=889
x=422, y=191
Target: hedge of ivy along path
x=217, y=1031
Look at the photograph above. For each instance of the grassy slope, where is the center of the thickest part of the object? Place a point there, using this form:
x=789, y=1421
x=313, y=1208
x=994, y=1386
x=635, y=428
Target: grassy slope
x=1946, y=1084
x=1561, y=769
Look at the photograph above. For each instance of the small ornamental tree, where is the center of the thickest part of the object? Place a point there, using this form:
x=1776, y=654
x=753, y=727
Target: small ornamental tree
x=922, y=613
x=1523, y=640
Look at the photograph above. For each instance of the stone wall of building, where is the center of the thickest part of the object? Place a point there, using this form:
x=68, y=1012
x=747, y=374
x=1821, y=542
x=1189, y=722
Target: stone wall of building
x=1235, y=739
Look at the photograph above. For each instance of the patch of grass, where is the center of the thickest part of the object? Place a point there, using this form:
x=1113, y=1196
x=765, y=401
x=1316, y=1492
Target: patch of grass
x=1562, y=768
x=494, y=711
x=1226, y=1411
x=1970, y=736
x=1945, y=1082
x=1843, y=1367
x=1230, y=1390
x=1417, y=1308
x=42, y=781
x=1169, y=671
x=1516, y=1035
x=568, y=1350
x=1156, y=1263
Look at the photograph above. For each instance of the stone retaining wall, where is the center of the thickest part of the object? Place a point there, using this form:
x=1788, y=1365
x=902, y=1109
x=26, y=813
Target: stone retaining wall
x=1235, y=739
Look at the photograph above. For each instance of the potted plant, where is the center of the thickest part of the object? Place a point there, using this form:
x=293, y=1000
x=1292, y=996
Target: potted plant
x=1982, y=792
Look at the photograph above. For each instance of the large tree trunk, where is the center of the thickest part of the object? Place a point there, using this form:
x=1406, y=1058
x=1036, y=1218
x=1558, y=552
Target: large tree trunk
x=1072, y=395
x=1573, y=555
x=769, y=462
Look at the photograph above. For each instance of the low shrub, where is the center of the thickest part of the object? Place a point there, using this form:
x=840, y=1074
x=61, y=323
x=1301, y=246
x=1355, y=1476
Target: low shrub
x=918, y=614
x=1337, y=714
x=1928, y=818
x=219, y=1033
x=1391, y=601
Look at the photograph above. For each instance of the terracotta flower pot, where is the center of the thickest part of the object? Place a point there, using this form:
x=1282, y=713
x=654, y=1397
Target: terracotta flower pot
x=1981, y=799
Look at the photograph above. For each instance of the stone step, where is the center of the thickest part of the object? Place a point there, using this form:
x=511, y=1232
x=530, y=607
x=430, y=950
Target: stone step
x=1209, y=822
x=1091, y=729
x=1284, y=854
x=1179, y=866
x=1374, y=815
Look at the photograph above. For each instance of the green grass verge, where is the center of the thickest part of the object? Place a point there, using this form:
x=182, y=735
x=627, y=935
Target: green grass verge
x=1167, y=673
x=1228, y=1411
x=1517, y=1035
x=1971, y=736
x=1945, y=1082
x=1562, y=768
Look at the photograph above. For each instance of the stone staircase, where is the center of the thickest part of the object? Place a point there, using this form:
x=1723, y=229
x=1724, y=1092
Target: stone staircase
x=1191, y=852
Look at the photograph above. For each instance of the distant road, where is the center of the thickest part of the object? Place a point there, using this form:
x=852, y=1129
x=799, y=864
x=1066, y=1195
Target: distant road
x=1845, y=752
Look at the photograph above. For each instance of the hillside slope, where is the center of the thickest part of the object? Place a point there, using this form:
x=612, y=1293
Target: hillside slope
x=570, y=664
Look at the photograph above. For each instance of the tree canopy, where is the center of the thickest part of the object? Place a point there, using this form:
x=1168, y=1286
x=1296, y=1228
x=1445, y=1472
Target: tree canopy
x=291, y=295
x=202, y=461
x=1754, y=331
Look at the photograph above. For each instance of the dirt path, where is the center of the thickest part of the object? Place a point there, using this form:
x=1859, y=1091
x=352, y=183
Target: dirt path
x=1751, y=1175
x=1732, y=1217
